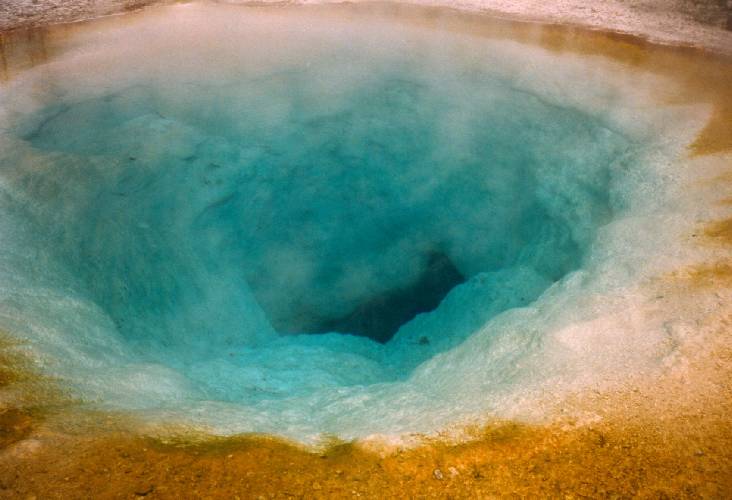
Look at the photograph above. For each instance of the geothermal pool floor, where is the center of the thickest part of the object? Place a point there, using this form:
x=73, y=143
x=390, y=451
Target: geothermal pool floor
x=666, y=437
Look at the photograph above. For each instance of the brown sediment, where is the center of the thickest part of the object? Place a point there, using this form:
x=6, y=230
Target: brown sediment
x=20, y=381
x=707, y=275
x=681, y=456
x=717, y=134
x=713, y=273
x=720, y=231
x=9, y=374
x=16, y=425
x=672, y=444
x=21, y=50
x=25, y=396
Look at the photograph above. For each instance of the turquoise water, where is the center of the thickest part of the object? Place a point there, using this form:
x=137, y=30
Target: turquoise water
x=295, y=230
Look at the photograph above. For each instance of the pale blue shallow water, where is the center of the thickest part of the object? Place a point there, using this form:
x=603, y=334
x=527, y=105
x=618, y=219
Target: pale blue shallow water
x=184, y=239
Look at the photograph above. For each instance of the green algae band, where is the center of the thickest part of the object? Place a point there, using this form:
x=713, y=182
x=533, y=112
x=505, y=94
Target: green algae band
x=305, y=224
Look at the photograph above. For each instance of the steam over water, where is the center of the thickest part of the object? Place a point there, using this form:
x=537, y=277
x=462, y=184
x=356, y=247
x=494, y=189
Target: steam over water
x=307, y=224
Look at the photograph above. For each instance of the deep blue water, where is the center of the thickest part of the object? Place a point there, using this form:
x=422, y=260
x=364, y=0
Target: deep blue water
x=321, y=224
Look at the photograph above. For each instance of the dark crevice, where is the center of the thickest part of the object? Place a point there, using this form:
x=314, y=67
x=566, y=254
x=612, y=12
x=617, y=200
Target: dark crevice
x=380, y=317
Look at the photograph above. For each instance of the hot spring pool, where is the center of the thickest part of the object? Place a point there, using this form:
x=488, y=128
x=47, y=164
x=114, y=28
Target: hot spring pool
x=310, y=223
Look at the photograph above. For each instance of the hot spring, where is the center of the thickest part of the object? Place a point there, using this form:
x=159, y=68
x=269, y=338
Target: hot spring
x=314, y=222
